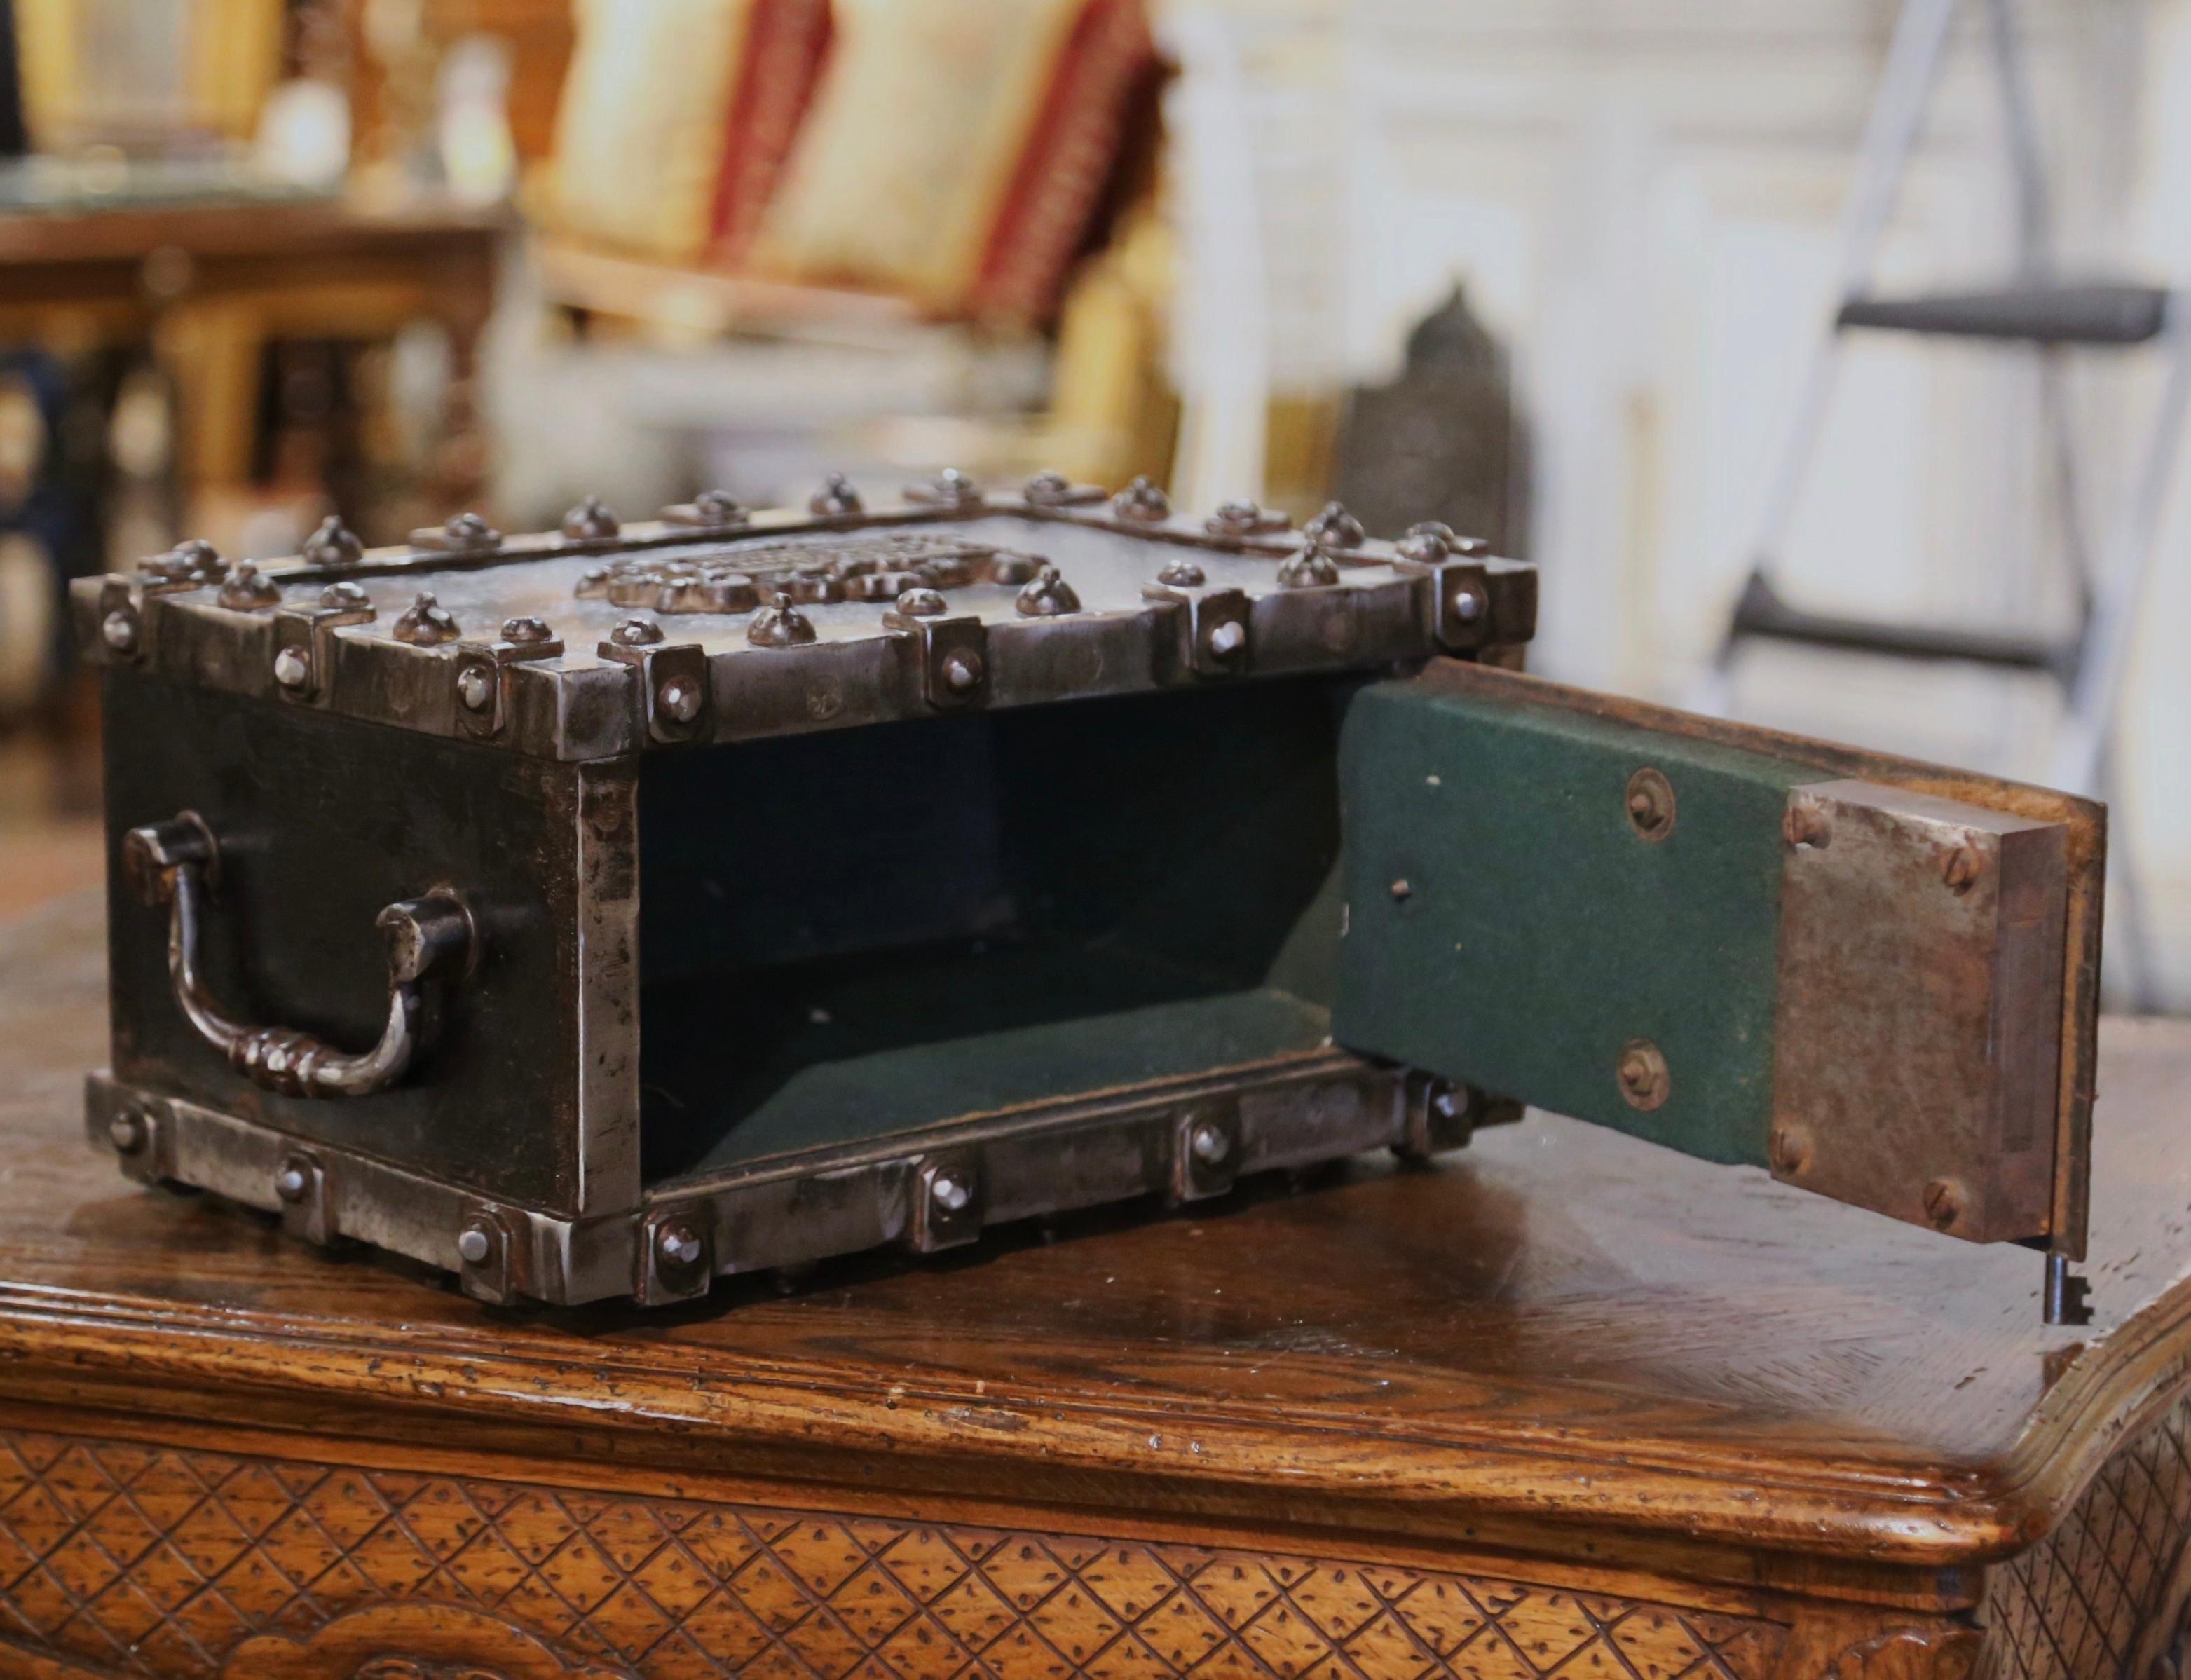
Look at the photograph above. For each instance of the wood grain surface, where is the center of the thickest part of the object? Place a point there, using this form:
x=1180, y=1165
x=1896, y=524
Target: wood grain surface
x=1677, y=1379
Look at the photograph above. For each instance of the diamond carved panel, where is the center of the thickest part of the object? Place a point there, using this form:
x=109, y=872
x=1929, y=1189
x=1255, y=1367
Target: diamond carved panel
x=145, y=1561
x=2108, y=1592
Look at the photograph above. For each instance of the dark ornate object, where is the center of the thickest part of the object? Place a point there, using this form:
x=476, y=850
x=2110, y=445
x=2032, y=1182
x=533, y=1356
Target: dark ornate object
x=597, y=911
x=1443, y=441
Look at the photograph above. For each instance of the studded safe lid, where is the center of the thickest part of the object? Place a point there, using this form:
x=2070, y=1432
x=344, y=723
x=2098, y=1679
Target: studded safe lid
x=715, y=623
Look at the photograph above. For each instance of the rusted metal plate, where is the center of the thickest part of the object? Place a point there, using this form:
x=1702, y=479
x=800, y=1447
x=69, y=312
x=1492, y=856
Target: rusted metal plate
x=1619, y=912
x=1917, y=1032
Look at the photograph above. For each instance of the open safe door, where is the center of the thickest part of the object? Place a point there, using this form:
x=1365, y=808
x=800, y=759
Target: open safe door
x=1876, y=978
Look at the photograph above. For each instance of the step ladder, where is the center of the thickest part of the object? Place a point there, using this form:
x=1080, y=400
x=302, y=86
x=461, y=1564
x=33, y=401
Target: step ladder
x=2048, y=313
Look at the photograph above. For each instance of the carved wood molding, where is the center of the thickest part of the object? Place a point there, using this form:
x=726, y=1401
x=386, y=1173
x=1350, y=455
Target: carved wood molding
x=417, y=1641
x=153, y=1561
x=1911, y=1653
x=2106, y=1593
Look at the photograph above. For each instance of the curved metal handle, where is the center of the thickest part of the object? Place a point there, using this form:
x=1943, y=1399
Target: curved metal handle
x=176, y=861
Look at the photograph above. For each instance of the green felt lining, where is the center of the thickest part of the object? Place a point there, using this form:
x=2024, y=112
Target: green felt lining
x=1539, y=933
x=851, y=936
x=839, y=1052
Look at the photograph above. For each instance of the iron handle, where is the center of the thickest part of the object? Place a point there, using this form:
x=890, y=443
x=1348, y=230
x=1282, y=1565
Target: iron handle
x=176, y=862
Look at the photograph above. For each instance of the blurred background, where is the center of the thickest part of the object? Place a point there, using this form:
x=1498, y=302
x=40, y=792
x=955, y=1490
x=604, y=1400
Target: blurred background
x=1563, y=273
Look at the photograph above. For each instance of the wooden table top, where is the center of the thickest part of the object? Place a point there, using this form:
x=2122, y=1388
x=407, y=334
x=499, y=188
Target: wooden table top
x=1558, y=1326
x=216, y=228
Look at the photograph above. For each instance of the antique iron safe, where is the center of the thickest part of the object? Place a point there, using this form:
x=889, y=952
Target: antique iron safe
x=752, y=887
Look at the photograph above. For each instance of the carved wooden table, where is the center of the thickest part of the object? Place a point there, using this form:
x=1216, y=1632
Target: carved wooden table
x=211, y=282
x=1567, y=1405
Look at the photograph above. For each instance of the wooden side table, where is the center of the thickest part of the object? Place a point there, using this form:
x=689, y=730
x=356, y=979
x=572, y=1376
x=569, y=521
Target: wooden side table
x=211, y=282
x=1564, y=1406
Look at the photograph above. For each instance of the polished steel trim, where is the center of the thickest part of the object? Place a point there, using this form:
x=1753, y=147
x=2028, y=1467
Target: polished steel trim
x=1291, y=1112
x=1384, y=610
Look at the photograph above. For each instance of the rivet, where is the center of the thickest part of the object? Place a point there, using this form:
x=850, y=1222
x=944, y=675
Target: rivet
x=590, y=521
x=780, y=624
x=1226, y=639
x=1309, y=568
x=1141, y=500
x=1962, y=869
x=1426, y=543
x=1182, y=574
x=1048, y=489
x=292, y=1182
x=836, y=497
x=1650, y=802
x=962, y=670
x=711, y=511
x=1209, y=1143
x=1047, y=595
x=1467, y=606
x=950, y=1192
x=334, y=544
x=465, y=531
x=677, y=1243
x=951, y=486
x=1335, y=527
x=118, y=630
x=679, y=699
x=526, y=631
x=1642, y=1073
x=1435, y=533
x=475, y=687
x=194, y=563
x=636, y=633
x=293, y=667
x=425, y=623
x=1943, y=1203
x=128, y=1132
x=248, y=588
x=922, y=603
x=475, y=1243
x=1805, y=824
x=1789, y=1149
x=1243, y=518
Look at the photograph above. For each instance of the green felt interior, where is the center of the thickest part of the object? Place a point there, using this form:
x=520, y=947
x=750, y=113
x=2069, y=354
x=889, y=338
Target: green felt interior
x=845, y=936
x=841, y=1051
x=1539, y=933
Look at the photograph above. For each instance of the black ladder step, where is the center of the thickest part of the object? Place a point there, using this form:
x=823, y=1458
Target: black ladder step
x=1763, y=614
x=2092, y=313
